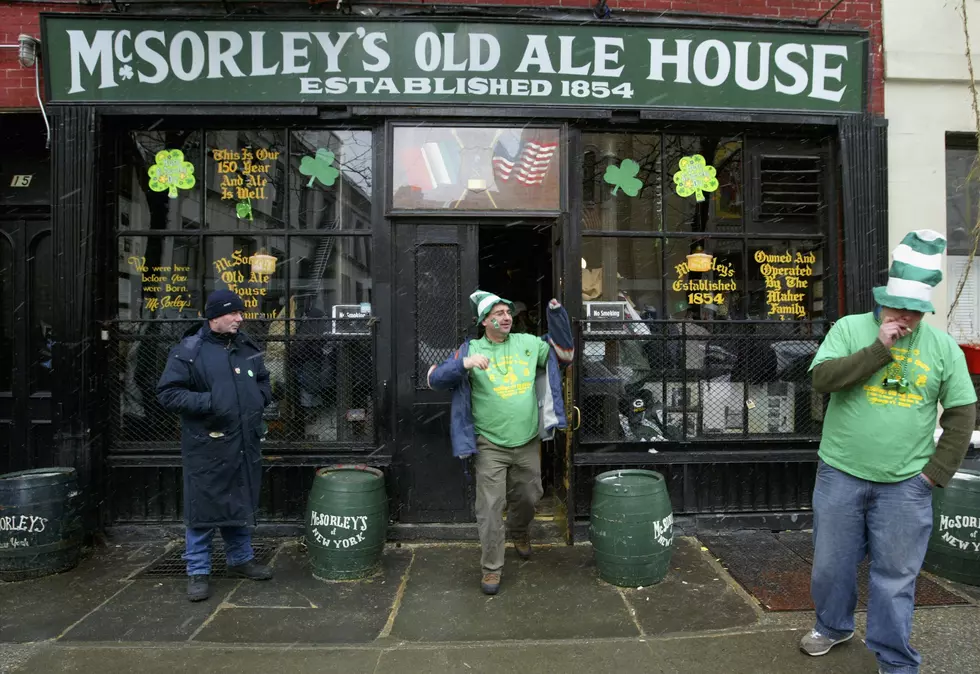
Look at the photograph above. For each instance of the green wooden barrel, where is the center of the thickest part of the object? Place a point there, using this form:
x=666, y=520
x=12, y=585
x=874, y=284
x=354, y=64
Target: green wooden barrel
x=346, y=522
x=954, y=547
x=632, y=527
x=40, y=523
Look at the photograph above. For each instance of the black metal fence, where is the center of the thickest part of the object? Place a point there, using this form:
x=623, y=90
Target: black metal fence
x=697, y=381
x=322, y=373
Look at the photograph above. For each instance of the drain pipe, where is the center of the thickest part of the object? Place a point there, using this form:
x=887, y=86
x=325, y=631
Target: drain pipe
x=27, y=56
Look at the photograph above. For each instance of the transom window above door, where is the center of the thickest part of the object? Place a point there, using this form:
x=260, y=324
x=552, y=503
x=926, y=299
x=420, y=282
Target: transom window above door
x=484, y=169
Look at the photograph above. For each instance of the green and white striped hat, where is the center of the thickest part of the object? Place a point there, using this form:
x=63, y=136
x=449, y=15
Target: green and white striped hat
x=483, y=302
x=917, y=268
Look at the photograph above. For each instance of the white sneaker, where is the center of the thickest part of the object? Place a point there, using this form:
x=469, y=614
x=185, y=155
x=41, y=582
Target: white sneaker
x=816, y=643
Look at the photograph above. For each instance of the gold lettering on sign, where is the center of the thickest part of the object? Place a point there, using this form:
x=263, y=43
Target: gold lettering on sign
x=793, y=270
x=702, y=290
x=236, y=272
x=162, y=287
x=244, y=173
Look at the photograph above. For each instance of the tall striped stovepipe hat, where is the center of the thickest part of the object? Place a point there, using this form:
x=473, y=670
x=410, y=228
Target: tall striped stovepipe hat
x=917, y=268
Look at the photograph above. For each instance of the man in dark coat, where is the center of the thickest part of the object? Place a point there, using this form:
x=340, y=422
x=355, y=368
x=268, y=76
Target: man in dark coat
x=216, y=381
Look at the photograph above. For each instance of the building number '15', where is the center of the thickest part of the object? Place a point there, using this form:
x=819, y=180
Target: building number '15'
x=21, y=181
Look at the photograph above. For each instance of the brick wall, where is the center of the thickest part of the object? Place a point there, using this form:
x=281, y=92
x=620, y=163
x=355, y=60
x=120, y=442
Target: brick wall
x=17, y=84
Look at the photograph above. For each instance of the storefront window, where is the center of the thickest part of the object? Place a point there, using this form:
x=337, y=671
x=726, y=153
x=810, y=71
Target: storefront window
x=172, y=201
x=721, y=208
x=331, y=274
x=700, y=328
x=331, y=178
x=625, y=271
x=264, y=229
x=246, y=178
x=621, y=182
x=476, y=169
x=705, y=278
x=255, y=268
x=159, y=277
x=786, y=280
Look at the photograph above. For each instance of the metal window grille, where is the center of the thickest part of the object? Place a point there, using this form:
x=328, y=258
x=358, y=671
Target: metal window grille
x=670, y=382
x=437, y=300
x=321, y=372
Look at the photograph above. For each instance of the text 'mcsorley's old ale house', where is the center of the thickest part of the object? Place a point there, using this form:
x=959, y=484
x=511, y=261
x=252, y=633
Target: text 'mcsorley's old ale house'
x=704, y=195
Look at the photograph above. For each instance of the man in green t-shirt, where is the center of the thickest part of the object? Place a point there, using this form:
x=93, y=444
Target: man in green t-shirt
x=886, y=372
x=502, y=368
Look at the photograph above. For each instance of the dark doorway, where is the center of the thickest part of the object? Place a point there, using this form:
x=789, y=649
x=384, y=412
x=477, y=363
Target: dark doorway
x=26, y=338
x=437, y=267
x=516, y=264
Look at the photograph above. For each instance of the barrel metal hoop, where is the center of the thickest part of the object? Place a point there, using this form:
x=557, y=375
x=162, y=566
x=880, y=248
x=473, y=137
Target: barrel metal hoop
x=350, y=466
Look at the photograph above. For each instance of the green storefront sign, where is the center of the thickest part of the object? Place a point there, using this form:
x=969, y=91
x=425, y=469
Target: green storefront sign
x=267, y=61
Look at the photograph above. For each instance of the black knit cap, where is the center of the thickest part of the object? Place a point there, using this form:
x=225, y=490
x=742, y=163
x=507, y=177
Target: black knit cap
x=222, y=302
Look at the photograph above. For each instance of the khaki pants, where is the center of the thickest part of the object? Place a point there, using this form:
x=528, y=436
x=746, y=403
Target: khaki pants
x=511, y=475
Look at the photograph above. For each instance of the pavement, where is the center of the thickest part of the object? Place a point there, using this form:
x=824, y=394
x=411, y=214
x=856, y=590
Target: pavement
x=424, y=613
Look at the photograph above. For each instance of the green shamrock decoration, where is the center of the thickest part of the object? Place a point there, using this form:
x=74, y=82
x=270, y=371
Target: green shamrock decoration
x=171, y=173
x=695, y=177
x=624, y=177
x=244, y=210
x=319, y=168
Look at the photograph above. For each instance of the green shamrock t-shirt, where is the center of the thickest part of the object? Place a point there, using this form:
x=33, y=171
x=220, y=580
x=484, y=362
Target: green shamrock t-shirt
x=881, y=434
x=505, y=406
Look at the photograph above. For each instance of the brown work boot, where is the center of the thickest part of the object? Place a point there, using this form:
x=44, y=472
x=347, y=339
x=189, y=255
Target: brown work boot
x=490, y=583
x=522, y=543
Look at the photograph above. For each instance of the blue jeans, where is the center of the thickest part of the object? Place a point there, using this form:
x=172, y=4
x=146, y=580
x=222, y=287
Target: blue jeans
x=889, y=522
x=238, y=548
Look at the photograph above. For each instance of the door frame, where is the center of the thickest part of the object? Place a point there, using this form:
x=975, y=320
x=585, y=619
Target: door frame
x=463, y=231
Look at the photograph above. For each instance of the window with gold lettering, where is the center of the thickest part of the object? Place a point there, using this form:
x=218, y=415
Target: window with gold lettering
x=704, y=267
x=254, y=268
x=245, y=174
x=282, y=217
x=159, y=277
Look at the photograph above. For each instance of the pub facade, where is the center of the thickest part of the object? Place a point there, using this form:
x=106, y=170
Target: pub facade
x=705, y=198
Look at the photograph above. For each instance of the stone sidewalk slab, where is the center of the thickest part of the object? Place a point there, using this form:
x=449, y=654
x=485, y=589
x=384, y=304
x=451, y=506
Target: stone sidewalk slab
x=149, y=610
x=296, y=608
x=695, y=595
x=555, y=595
x=43, y=608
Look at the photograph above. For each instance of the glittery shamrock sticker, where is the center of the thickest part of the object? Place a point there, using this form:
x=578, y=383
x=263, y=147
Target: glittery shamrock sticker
x=244, y=210
x=171, y=173
x=319, y=167
x=624, y=177
x=695, y=177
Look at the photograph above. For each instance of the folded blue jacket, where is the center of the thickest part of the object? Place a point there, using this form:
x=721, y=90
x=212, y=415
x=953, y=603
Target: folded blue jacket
x=452, y=376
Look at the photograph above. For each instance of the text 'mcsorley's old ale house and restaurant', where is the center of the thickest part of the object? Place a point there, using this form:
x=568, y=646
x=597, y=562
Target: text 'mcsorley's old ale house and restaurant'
x=703, y=196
